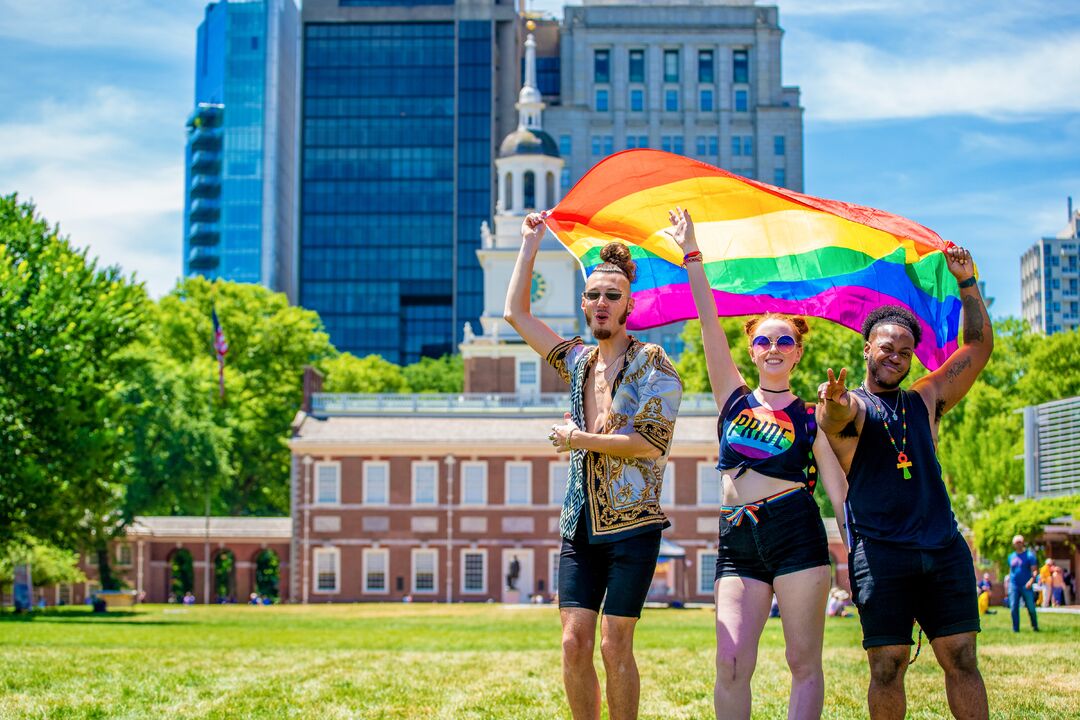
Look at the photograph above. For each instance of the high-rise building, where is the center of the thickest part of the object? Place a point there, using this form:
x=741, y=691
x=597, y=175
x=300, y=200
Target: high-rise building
x=401, y=104
x=1050, y=280
x=239, y=199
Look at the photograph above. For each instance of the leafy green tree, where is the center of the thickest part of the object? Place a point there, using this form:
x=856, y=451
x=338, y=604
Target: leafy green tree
x=347, y=373
x=64, y=327
x=1053, y=368
x=49, y=565
x=445, y=375
x=270, y=342
x=994, y=531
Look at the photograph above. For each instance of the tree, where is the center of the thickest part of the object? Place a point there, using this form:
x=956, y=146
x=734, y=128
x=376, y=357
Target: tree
x=994, y=532
x=347, y=373
x=49, y=565
x=64, y=326
x=445, y=375
x=270, y=342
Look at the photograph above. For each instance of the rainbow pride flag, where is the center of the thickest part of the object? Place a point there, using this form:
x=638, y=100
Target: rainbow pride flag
x=764, y=248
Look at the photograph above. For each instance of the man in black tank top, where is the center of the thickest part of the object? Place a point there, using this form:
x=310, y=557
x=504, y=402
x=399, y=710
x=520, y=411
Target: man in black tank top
x=907, y=560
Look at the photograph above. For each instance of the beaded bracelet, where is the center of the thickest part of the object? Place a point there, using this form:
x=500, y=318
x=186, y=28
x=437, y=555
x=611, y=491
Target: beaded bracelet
x=692, y=257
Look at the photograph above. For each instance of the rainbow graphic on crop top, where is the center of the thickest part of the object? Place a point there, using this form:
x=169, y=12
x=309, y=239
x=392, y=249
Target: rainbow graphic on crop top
x=758, y=432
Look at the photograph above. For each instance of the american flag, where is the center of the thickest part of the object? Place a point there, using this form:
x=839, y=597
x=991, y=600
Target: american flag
x=221, y=346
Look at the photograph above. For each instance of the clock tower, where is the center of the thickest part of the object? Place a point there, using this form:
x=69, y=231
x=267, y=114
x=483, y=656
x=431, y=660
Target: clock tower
x=528, y=173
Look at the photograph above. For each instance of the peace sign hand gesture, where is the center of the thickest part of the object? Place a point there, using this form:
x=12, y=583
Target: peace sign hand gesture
x=835, y=389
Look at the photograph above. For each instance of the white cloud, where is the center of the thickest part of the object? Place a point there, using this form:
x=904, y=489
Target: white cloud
x=853, y=81
x=99, y=168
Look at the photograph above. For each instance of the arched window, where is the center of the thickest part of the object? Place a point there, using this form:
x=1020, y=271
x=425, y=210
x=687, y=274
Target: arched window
x=530, y=190
x=508, y=192
x=550, y=187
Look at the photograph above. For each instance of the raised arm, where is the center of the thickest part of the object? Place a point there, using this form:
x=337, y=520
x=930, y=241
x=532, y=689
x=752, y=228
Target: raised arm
x=724, y=375
x=946, y=386
x=518, y=310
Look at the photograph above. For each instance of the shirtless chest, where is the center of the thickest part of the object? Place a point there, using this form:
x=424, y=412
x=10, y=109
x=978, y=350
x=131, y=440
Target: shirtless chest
x=597, y=404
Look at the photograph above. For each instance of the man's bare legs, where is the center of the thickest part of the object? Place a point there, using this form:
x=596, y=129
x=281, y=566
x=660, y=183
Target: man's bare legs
x=886, y=694
x=742, y=607
x=963, y=681
x=623, y=682
x=802, y=597
x=579, y=675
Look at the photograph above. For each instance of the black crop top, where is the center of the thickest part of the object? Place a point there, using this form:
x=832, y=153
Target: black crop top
x=777, y=443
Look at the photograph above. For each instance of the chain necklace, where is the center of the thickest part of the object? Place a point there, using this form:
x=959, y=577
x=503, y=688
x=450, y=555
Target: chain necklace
x=602, y=381
x=902, y=462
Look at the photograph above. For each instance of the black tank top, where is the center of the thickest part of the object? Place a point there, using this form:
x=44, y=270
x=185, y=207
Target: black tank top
x=777, y=443
x=883, y=505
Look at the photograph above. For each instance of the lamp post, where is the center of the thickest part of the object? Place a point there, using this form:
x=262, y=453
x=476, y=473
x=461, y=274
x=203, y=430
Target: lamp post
x=450, y=461
x=306, y=498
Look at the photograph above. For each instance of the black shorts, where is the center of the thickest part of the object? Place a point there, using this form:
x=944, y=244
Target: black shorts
x=622, y=569
x=894, y=586
x=787, y=537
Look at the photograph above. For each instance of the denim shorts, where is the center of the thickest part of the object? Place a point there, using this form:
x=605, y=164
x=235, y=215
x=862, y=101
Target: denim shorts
x=779, y=537
x=895, y=586
x=621, y=569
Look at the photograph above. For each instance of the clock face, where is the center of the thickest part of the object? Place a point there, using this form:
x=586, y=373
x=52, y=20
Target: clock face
x=539, y=287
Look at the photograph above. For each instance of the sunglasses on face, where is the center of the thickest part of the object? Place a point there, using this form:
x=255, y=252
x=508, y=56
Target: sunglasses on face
x=784, y=343
x=611, y=295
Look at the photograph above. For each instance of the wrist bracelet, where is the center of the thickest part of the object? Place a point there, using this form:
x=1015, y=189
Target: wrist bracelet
x=691, y=257
x=968, y=283
x=569, y=438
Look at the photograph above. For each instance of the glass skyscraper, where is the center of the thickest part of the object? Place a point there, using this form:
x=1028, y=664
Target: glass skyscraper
x=398, y=120
x=239, y=210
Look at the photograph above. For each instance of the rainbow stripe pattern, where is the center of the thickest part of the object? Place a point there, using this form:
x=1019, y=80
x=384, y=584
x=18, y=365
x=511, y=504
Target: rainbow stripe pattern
x=764, y=248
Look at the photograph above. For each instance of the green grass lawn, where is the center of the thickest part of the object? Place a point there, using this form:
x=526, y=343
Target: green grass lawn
x=465, y=661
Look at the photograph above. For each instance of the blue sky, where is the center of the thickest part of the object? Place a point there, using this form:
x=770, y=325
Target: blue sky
x=962, y=115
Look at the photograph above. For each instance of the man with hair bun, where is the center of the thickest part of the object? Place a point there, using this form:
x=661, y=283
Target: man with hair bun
x=624, y=397
x=908, y=562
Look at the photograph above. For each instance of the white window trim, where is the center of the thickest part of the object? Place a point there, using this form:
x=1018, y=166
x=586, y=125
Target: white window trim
x=337, y=484
x=422, y=463
x=564, y=478
x=474, y=463
x=553, y=562
x=120, y=560
x=700, y=480
x=484, y=584
x=528, y=483
x=315, y=553
x=669, y=482
x=697, y=576
x=386, y=467
x=434, y=570
x=517, y=375
x=368, y=552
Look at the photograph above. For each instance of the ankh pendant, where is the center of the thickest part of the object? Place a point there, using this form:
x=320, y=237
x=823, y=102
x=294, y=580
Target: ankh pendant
x=902, y=463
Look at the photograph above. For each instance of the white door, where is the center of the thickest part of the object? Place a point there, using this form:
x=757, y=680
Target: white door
x=518, y=582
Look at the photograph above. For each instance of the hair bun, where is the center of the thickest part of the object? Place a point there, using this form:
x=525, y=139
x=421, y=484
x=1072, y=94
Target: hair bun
x=617, y=254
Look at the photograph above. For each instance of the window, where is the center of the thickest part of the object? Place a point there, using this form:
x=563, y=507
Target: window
x=565, y=145
x=637, y=100
x=742, y=101
x=708, y=484
x=564, y=179
x=123, y=554
x=637, y=66
x=637, y=141
x=376, y=564
x=553, y=569
x=736, y=145
x=609, y=144
x=748, y=145
x=474, y=483
x=706, y=100
x=425, y=483
x=518, y=483
x=528, y=184
x=424, y=570
x=509, y=192
x=714, y=150
x=706, y=560
x=528, y=376
x=474, y=571
x=601, y=101
x=596, y=140
x=705, y=66
x=700, y=146
x=671, y=100
x=672, y=144
x=778, y=145
x=671, y=66
x=558, y=475
x=779, y=177
x=602, y=66
x=376, y=483
x=327, y=562
x=327, y=483
x=740, y=71
x=667, y=491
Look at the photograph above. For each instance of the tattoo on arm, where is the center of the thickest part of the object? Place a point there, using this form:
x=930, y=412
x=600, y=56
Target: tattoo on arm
x=954, y=371
x=973, y=320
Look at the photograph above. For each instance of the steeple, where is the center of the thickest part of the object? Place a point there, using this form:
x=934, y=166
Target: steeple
x=530, y=104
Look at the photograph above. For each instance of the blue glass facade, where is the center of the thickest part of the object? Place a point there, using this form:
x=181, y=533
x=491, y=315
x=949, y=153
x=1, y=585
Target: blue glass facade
x=389, y=223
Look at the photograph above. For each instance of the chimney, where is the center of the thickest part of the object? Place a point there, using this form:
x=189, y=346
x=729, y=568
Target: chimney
x=313, y=382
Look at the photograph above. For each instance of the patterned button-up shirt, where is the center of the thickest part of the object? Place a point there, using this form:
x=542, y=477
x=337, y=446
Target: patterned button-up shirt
x=621, y=495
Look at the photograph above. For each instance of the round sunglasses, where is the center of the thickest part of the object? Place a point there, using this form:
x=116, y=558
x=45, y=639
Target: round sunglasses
x=785, y=344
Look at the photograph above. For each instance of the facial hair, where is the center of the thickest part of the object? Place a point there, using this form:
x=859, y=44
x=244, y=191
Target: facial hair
x=873, y=366
x=604, y=333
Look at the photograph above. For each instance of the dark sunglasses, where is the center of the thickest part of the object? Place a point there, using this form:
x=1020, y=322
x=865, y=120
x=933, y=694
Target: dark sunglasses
x=611, y=295
x=784, y=343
